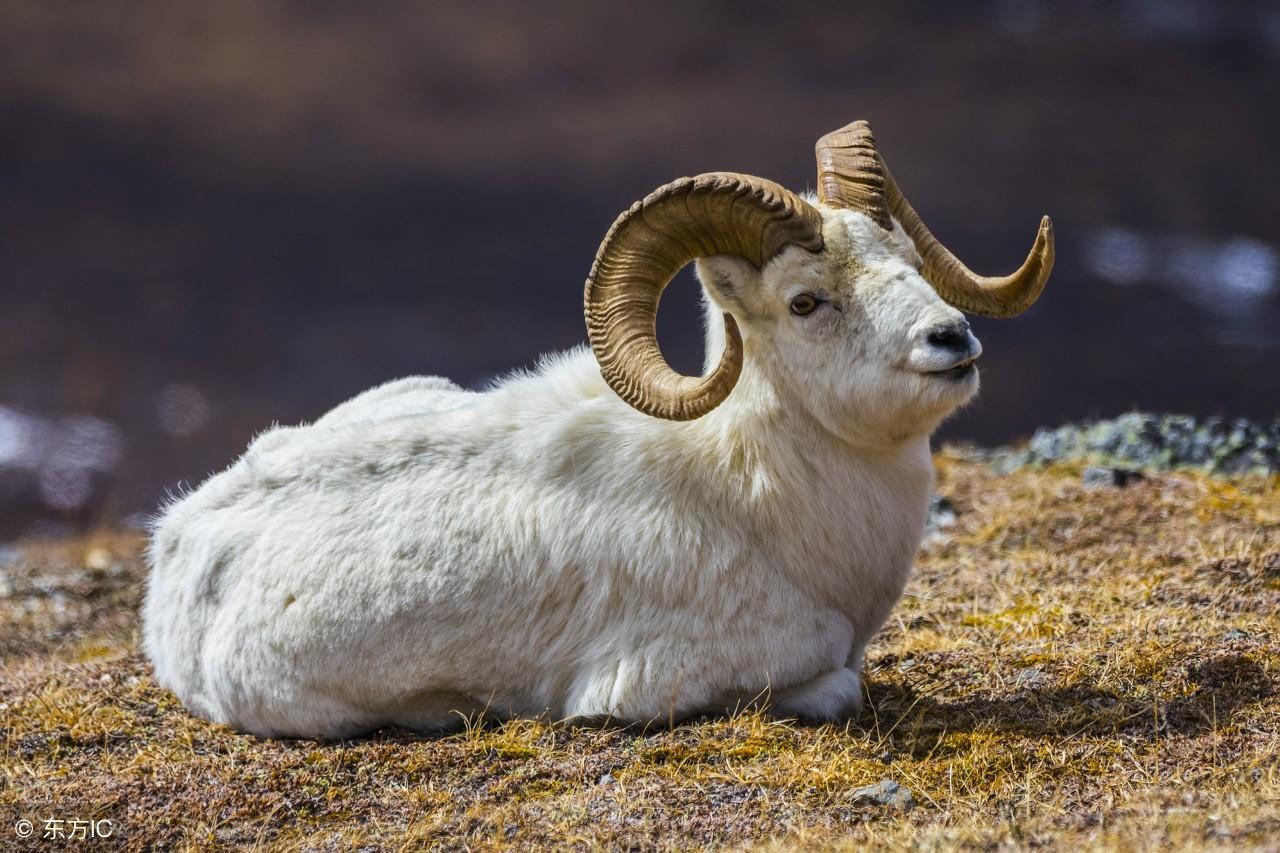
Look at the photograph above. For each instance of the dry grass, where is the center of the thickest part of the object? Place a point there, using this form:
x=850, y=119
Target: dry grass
x=1070, y=669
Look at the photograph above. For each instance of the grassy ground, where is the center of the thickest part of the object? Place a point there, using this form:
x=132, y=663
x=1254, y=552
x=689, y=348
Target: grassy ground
x=1070, y=668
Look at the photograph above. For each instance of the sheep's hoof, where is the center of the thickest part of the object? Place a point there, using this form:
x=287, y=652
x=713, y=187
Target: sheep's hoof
x=834, y=695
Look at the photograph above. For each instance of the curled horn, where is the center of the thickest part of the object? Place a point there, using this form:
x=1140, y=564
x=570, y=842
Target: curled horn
x=719, y=213
x=852, y=174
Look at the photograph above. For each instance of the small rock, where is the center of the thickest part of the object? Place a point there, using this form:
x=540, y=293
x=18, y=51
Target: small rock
x=45, y=584
x=98, y=559
x=227, y=834
x=942, y=513
x=907, y=664
x=1097, y=477
x=922, y=622
x=1235, y=634
x=1030, y=677
x=606, y=779
x=886, y=793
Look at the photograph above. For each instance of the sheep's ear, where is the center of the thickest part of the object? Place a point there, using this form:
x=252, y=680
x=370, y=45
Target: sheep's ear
x=733, y=283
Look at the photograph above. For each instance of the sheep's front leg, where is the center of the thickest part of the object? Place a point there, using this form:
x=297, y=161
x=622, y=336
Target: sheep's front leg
x=834, y=695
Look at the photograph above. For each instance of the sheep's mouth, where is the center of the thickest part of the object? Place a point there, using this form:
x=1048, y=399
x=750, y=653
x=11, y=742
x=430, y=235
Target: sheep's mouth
x=956, y=371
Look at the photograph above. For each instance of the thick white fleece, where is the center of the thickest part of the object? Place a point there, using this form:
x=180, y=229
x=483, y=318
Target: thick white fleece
x=424, y=551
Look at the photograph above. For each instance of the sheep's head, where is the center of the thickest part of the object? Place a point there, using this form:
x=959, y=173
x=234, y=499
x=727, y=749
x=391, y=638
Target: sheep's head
x=850, y=301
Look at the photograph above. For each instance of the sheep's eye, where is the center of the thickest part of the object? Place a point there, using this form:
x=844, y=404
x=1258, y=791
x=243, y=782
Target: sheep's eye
x=803, y=304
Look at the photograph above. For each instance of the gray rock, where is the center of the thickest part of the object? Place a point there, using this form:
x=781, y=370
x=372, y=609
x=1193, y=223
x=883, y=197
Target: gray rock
x=1153, y=443
x=942, y=513
x=1097, y=477
x=886, y=793
x=1235, y=634
x=1030, y=677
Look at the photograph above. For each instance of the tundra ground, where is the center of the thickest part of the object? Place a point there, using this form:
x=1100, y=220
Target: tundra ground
x=1071, y=668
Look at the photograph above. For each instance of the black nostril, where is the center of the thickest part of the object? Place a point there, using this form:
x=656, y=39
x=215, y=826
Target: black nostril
x=953, y=337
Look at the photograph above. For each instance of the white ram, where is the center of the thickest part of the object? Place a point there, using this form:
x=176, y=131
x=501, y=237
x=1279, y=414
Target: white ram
x=603, y=537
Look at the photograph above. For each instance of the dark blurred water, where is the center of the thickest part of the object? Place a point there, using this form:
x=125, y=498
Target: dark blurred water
x=217, y=216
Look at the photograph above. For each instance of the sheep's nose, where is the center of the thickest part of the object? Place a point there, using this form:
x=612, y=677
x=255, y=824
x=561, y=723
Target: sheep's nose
x=953, y=337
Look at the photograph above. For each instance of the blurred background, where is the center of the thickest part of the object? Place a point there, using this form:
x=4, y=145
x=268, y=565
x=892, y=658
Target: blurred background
x=216, y=216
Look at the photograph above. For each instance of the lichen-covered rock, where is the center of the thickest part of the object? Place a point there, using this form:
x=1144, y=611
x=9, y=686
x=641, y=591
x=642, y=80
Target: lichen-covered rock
x=942, y=513
x=886, y=793
x=1154, y=442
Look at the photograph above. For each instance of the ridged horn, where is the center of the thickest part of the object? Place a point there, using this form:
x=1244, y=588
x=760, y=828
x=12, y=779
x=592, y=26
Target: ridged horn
x=718, y=213
x=851, y=174
x=991, y=296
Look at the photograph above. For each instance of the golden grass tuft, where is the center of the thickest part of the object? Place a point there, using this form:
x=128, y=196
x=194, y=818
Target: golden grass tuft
x=1070, y=669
